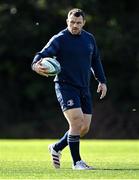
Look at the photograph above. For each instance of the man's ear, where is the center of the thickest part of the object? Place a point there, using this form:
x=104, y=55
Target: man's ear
x=84, y=22
x=67, y=21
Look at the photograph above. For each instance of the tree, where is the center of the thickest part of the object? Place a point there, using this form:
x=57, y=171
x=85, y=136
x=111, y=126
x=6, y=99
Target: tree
x=25, y=104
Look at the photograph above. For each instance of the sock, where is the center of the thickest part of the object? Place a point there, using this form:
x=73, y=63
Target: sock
x=62, y=143
x=74, y=143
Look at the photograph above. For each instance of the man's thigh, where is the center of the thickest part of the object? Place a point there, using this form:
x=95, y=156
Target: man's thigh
x=74, y=115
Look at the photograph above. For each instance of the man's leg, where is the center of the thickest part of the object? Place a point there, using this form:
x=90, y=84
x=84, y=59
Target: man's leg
x=85, y=124
x=69, y=96
x=74, y=117
x=62, y=143
x=55, y=150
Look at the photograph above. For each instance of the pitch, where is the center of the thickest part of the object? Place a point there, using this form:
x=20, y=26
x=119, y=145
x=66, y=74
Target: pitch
x=29, y=159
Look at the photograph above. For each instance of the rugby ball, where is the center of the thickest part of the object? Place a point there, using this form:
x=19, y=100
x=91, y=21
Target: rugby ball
x=52, y=65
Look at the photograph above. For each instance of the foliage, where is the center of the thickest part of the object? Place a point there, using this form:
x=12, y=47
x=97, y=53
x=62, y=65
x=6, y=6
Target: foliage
x=28, y=102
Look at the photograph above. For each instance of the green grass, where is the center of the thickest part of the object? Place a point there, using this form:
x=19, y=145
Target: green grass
x=29, y=159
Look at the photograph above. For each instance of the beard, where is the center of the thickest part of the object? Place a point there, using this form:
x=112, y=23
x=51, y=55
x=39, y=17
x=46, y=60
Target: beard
x=75, y=31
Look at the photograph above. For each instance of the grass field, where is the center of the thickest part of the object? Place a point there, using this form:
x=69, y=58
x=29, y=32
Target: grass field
x=29, y=159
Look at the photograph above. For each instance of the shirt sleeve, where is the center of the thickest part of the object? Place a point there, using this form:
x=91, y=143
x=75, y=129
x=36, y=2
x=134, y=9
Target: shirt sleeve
x=49, y=50
x=97, y=68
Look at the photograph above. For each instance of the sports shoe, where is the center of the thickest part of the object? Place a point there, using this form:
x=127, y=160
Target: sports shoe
x=55, y=156
x=81, y=165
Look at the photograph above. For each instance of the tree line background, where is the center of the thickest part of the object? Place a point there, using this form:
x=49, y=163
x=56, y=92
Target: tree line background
x=28, y=105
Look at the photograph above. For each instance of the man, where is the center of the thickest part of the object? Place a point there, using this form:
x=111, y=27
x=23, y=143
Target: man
x=77, y=53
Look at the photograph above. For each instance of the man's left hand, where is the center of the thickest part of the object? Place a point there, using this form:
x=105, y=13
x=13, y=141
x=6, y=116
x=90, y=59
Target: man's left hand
x=103, y=89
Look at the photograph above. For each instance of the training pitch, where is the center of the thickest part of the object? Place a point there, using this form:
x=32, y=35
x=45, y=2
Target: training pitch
x=29, y=159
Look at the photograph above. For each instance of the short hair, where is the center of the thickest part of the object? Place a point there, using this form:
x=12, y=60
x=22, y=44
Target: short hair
x=76, y=12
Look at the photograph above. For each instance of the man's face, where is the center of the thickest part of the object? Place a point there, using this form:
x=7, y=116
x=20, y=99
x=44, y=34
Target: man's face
x=75, y=24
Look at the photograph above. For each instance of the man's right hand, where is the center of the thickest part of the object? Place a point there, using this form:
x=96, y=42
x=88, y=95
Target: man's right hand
x=38, y=68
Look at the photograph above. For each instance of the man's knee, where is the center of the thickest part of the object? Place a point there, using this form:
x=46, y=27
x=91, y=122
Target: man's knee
x=76, y=124
x=84, y=130
x=75, y=118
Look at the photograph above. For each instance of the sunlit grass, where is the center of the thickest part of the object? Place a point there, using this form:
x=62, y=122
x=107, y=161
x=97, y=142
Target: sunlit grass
x=29, y=159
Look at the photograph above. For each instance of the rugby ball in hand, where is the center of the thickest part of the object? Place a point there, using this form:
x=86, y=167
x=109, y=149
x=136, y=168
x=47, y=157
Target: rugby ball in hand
x=52, y=65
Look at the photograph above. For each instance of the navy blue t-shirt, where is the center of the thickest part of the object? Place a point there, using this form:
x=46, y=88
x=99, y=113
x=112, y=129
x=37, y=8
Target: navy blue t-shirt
x=77, y=55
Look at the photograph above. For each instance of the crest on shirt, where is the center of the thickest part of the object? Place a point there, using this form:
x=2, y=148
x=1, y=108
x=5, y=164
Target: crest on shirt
x=70, y=102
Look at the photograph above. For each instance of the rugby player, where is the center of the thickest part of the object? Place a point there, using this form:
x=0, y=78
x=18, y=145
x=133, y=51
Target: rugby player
x=77, y=52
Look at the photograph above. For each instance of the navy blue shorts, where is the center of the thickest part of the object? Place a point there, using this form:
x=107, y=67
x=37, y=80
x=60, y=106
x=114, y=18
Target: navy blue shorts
x=70, y=96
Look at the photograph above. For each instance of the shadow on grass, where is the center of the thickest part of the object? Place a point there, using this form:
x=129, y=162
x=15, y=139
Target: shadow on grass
x=117, y=169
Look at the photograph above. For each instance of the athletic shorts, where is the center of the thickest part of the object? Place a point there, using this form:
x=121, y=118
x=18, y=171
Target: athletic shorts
x=70, y=96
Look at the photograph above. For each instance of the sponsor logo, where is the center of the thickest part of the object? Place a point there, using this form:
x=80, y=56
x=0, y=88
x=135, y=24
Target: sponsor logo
x=70, y=102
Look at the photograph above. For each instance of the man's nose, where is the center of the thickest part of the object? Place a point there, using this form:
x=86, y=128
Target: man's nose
x=75, y=25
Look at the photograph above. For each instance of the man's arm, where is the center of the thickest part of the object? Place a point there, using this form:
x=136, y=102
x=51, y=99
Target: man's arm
x=97, y=67
x=49, y=50
x=98, y=72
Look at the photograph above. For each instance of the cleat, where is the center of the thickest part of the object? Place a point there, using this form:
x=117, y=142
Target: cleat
x=55, y=156
x=81, y=165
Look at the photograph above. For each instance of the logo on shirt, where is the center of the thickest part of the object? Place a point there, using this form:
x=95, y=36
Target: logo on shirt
x=70, y=102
